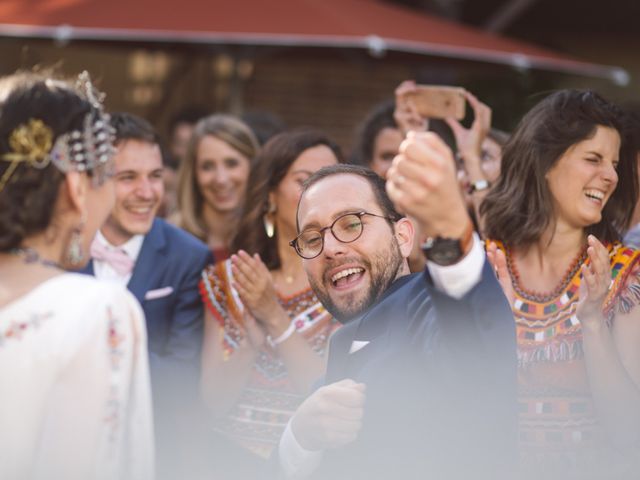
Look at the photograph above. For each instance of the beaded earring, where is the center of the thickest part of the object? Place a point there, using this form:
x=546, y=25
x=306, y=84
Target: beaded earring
x=75, y=252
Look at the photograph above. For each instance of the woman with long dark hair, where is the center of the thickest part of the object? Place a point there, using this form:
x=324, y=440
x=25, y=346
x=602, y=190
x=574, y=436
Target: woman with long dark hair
x=75, y=400
x=265, y=330
x=566, y=192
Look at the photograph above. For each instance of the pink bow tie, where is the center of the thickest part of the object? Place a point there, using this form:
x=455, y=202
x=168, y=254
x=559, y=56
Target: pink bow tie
x=117, y=258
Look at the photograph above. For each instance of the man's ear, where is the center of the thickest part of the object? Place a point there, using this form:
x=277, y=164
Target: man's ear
x=405, y=233
x=75, y=188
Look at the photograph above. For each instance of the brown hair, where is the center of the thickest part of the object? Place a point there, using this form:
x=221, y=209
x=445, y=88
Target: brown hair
x=273, y=163
x=518, y=209
x=230, y=130
x=378, y=186
x=28, y=198
x=128, y=126
x=379, y=118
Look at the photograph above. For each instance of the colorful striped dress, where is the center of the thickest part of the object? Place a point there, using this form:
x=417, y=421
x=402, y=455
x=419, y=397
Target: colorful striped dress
x=558, y=427
x=268, y=400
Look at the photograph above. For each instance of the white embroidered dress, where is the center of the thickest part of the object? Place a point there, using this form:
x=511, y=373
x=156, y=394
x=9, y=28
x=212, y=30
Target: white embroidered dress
x=75, y=399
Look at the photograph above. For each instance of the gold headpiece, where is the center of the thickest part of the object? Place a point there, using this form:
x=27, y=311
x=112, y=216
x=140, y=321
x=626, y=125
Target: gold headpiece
x=87, y=149
x=30, y=142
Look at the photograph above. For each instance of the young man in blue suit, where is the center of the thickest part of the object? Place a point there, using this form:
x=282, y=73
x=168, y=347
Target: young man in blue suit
x=420, y=381
x=161, y=265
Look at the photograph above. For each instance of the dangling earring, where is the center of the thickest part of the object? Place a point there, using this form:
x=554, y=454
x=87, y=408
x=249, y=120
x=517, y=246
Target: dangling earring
x=269, y=226
x=75, y=253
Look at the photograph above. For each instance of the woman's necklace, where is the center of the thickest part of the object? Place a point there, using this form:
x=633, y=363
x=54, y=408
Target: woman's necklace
x=288, y=277
x=32, y=256
x=544, y=297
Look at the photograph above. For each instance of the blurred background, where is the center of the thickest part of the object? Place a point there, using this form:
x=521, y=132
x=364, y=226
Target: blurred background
x=325, y=62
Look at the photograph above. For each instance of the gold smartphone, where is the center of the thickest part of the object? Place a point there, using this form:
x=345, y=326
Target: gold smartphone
x=436, y=101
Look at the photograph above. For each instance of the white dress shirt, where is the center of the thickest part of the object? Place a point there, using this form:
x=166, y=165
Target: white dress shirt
x=456, y=281
x=104, y=271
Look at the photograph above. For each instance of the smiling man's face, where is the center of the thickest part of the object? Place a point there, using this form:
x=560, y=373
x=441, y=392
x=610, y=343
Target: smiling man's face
x=350, y=277
x=139, y=186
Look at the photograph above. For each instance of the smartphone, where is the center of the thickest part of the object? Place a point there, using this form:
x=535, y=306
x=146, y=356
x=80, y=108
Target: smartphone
x=436, y=101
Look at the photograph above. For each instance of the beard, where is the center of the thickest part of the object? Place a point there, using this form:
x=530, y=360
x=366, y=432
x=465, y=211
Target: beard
x=383, y=268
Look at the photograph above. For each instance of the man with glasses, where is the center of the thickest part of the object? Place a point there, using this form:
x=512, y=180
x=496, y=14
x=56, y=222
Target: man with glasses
x=420, y=381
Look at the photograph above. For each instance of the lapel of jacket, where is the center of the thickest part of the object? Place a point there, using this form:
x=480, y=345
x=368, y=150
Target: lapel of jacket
x=149, y=262
x=368, y=341
x=339, y=354
x=371, y=335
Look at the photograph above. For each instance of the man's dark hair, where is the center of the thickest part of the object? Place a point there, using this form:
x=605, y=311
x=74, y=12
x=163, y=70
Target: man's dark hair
x=377, y=186
x=191, y=115
x=131, y=127
x=379, y=118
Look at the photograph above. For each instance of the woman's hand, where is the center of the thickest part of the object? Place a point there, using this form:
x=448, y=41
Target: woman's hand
x=256, y=333
x=498, y=260
x=254, y=284
x=594, y=286
x=406, y=113
x=469, y=140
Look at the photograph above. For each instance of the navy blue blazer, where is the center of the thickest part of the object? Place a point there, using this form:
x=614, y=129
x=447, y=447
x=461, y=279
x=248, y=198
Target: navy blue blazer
x=170, y=262
x=440, y=379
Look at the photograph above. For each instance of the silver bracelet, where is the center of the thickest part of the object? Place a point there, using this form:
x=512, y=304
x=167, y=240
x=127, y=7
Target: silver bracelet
x=283, y=336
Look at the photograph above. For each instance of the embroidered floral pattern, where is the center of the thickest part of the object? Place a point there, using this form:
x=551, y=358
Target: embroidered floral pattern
x=115, y=340
x=18, y=328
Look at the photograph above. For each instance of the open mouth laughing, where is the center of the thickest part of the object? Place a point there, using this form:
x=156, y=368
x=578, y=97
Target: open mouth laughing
x=346, y=277
x=595, y=195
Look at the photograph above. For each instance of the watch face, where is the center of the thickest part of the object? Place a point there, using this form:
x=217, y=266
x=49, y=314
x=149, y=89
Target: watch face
x=442, y=251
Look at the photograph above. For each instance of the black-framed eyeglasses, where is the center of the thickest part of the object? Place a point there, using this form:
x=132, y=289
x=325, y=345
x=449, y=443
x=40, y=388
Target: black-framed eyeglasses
x=346, y=228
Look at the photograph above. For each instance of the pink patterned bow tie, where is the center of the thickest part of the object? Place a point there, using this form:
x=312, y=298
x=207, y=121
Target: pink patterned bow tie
x=117, y=258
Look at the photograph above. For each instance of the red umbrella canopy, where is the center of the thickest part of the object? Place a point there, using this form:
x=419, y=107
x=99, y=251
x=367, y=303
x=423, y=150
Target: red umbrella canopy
x=371, y=24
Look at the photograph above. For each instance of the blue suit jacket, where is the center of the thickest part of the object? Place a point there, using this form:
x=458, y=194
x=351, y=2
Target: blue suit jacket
x=170, y=257
x=440, y=379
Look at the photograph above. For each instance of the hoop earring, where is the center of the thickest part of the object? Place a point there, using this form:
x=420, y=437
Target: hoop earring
x=269, y=226
x=75, y=252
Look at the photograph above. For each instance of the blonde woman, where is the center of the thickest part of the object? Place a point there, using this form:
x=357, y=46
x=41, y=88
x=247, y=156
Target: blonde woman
x=212, y=180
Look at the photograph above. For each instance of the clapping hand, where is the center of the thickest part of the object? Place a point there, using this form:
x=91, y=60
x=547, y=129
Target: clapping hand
x=256, y=333
x=254, y=284
x=595, y=284
x=498, y=260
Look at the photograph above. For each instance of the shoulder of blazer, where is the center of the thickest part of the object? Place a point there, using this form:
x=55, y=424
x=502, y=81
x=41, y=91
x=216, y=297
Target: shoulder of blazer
x=177, y=236
x=182, y=249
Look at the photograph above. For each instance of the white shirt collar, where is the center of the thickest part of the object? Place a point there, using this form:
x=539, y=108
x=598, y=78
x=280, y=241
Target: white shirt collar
x=132, y=246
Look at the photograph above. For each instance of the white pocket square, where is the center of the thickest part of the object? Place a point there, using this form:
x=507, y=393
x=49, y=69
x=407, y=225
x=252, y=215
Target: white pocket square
x=158, y=293
x=358, y=345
